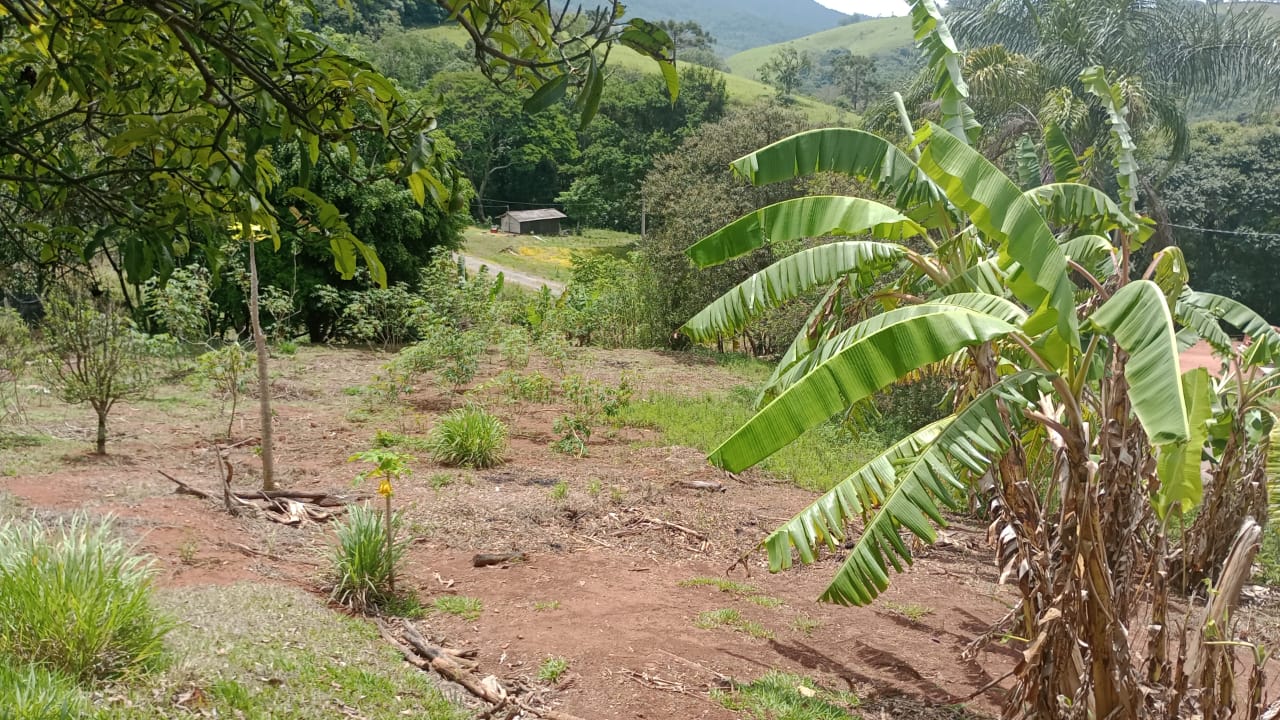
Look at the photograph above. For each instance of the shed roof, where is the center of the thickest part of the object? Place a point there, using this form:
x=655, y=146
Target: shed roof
x=528, y=215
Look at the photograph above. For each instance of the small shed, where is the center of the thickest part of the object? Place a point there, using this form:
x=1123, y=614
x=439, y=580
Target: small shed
x=525, y=222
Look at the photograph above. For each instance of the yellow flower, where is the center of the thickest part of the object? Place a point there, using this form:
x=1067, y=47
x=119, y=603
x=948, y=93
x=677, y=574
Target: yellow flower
x=384, y=487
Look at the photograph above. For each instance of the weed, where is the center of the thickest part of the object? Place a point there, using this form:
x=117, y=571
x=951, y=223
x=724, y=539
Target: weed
x=533, y=387
x=469, y=437
x=805, y=624
x=560, y=491
x=766, y=601
x=33, y=692
x=440, y=481
x=779, y=695
x=732, y=619
x=76, y=600
x=911, y=611
x=288, y=348
x=617, y=494
x=467, y=608
x=354, y=391
x=574, y=433
x=722, y=584
x=545, y=605
x=187, y=551
x=514, y=347
x=388, y=439
x=594, y=487
x=362, y=566
x=552, y=669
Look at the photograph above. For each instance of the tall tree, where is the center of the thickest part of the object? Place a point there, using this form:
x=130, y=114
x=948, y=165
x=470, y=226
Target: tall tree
x=855, y=77
x=786, y=69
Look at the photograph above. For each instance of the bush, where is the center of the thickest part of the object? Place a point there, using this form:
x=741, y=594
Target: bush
x=16, y=351
x=381, y=315
x=76, y=600
x=469, y=437
x=183, y=305
x=362, y=566
x=31, y=692
x=228, y=368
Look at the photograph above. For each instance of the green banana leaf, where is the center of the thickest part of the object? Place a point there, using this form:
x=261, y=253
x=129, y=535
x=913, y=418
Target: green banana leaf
x=1062, y=157
x=1202, y=322
x=946, y=62
x=788, y=278
x=905, y=341
x=1265, y=346
x=799, y=218
x=1124, y=148
x=1137, y=316
x=821, y=323
x=1081, y=205
x=1178, y=466
x=862, y=155
x=999, y=209
x=1094, y=253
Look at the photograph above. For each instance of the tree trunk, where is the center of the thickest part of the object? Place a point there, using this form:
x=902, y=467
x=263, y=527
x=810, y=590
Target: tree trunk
x=102, y=429
x=264, y=380
x=391, y=566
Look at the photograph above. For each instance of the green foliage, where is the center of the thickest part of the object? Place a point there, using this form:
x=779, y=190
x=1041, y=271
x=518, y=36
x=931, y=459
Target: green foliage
x=786, y=70
x=388, y=439
x=228, y=368
x=384, y=316
x=469, y=437
x=363, y=567
x=531, y=387
x=33, y=692
x=17, y=351
x=552, y=670
x=560, y=491
x=780, y=696
x=513, y=345
x=76, y=600
x=607, y=303
x=592, y=402
x=467, y=608
x=183, y=305
x=724, y=585
x=1228, y=189
x=94, y=357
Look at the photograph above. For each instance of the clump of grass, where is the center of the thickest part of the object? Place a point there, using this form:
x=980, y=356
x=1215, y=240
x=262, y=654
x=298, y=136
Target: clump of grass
x=362, y=565
x=780, y=695
x=469, y=437
x=467, y=608
x=388, y=439
x=767, y=601
x=805, y=624
x=911, y=611
x=545, y=605
x=560, y=491
x=440, y=481
x=552, y=669
x=33, y=692
x=76, y=600
x=594, y=487
x=724, y=585
x=732, y=619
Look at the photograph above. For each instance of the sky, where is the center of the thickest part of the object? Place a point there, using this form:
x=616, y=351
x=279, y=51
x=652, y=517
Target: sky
x=868, y=7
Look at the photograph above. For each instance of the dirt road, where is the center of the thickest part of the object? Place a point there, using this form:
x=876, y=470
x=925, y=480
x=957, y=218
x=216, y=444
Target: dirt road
x=511, y=275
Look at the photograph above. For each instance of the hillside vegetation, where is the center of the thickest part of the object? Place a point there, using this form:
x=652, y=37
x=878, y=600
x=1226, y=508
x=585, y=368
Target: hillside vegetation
x=888, y=40
x=743, y=90
x=742, y=24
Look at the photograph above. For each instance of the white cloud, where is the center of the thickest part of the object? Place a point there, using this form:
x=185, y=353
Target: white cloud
x=868, y=7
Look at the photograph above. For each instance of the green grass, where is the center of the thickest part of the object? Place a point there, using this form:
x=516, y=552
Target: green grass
x=553, y=669
x=816, y=461
x=468, y=437
x=559, y=491
x=780, y=696
x=362, y=566
x=732, y=619
x=914, y=612
x=74, y=598
x=805, y=624
x=467, y=608
x=33, y=692
x=881, y=38
x=546, y=605
x=388, y=439
x=549, y=257
x=270, y=651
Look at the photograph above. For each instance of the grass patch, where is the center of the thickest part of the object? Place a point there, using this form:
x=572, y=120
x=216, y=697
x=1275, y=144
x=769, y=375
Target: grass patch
x=545, y=256
x=467, y=608
x=362, y=566
x=724, y=585
x=914, y=612
x=805, y=624
x=76, y=600
x=388, y=439
x=553, y=669
x=269, y=651
x=780, y=696
x=33, y=692
x=732, y=619
x=815, y=461
x=546, y=605
x=560, y=491
x=468, y=437
x=766, y=601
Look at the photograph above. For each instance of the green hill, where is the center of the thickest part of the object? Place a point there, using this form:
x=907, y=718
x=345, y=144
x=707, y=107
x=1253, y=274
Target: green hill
x=742, y=90
x=742, y=24
x=888, y=40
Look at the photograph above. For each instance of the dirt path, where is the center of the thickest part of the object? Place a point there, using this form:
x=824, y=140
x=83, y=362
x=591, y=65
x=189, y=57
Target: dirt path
x=611, y=585
x=519, y=277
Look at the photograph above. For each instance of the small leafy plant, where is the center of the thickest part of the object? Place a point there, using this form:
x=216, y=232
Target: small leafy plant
x=592, y=403
x=228, y=369
x=467, y=608
x=553, y=669
x=362, y=565
x=469, y=437
x=388, y=466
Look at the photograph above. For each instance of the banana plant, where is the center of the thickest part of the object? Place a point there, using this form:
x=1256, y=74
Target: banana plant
x=1082, y=427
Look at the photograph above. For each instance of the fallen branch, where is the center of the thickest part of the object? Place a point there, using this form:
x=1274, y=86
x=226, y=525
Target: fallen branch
x=673, y=526
x=323, y=499
x=710, y=485
x=487, y=559
x=185, y=489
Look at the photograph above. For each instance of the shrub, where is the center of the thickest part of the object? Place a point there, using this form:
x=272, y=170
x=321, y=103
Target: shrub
x=381, y=315
x=32, y=692
x=76, y=600
x=592, y=403
x=362, y=566
x=228, y=369
x=183, y=305
x=469, y=437
x=16, y=352
x=96, y=357
x=514, y=346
